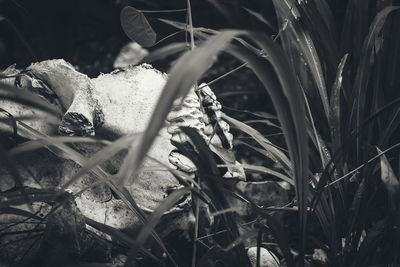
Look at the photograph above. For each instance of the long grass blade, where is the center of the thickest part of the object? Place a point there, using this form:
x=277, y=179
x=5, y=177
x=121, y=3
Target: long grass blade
x=364, y=67
x=292, y=120
x=299, y=36
x=187, y=70
x=271, y=151
x=155, y=217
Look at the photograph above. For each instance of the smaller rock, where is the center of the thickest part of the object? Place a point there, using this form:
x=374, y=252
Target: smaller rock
x=131, y=54
x=320, y=255
x=267, y=258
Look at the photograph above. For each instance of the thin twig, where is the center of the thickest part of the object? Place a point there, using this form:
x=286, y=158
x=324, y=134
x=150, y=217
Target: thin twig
x=363, y=165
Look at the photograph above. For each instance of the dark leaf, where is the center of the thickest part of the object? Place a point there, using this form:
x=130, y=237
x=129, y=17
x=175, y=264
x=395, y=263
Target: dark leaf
x=136, y=27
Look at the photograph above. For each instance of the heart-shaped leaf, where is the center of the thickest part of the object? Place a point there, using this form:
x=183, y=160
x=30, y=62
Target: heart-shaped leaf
x=136, y=27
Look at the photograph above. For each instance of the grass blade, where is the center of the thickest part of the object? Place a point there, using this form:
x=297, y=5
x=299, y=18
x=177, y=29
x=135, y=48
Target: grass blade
x=271, y=151
x=300, y=37
x=155, y=217
x=363, y=71
x=289, y=105
x=187, y=70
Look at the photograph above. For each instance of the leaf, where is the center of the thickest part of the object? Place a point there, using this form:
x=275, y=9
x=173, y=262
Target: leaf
x=268, y=171
x=213, y=185
x=165, y=51
x=60, y=149
x=300, y=37
x=270, y=150
x=155, y=217
x=289, y=105
x=136, y=27
x=118, y=235
x=335, y=105
x=370, y=243
x=392, y=186
x=187, y=70
x=259, y=17
x=364, y=68
x=25, y=97
x=102, y=155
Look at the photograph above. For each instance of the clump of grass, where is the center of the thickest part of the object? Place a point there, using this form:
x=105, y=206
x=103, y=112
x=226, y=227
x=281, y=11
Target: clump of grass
x=337, y=105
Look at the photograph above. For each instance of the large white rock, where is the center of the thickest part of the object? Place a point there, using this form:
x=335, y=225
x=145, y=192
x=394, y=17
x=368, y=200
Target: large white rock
x=110, y=106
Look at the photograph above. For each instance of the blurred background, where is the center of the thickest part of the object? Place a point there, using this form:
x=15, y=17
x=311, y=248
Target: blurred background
x=88, y=33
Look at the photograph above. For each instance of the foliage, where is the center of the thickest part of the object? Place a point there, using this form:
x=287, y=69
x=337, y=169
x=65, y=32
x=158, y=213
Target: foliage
x=337, y=104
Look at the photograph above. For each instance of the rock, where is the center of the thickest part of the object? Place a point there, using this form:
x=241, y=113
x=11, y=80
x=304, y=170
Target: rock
x=125, y=99
x=320, y=256
x=110, y=106
x=267, y=258
x=131, y=54
x=43, y=122
x=74, y=90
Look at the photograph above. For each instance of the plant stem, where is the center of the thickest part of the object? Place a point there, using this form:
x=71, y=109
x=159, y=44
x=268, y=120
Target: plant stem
x=189, y=12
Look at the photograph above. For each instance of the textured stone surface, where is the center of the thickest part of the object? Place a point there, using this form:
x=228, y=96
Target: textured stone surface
x=43, y=121
x=126, y=98
x=267, y=258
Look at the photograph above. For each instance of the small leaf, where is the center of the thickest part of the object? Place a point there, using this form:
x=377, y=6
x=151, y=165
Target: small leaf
x=136, y=27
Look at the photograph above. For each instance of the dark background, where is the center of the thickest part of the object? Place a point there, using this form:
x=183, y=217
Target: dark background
x=88, y=34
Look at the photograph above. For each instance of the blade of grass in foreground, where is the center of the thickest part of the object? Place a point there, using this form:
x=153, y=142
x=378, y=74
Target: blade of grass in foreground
x=60, y=149
x=148, y=228
x=25, y=97
x=211, y=180
x=187, y=70
x=272, y=152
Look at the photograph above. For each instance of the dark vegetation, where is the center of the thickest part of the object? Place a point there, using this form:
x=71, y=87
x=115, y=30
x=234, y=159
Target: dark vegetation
x=321, y=83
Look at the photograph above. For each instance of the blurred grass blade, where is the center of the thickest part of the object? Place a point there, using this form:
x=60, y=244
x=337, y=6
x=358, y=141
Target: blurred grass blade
x=19, y=212
x=155, y=217
x=40, y=143
x=200, y=32
x=25, y=97
x=165, y=51
x=213, y=185
x=229, y=15
x=259, y=17
x=65, y=151
x=268, y=171
x=271, y=151
x=364, y=67
x=103, y=155
x=187, y=70
x=16, y=197
x=326, y=14
x=118, y=235
x=20, y=37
